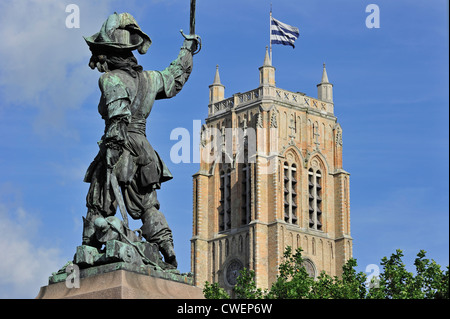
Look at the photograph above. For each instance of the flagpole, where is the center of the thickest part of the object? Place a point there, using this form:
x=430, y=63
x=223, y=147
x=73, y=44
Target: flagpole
x=270, y=33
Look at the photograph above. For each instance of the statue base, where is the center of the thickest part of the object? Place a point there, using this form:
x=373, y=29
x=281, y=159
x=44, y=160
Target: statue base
x=124, y=268
x=123, y=281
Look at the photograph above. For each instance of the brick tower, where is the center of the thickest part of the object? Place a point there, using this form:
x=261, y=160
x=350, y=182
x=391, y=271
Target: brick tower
x=270, y=176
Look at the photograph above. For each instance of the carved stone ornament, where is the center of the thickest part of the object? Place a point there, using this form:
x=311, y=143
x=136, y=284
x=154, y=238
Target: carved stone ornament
x=338, y=137
x=290, y=157
x=273, y=120
x=259, y=121
x=232, y=271
x=203, y=137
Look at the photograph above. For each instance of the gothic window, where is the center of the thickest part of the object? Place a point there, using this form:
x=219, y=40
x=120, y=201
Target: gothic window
x=315, y=192
x=225, y=201
x=290, y=193
x=293, y=194
x=246, y=194
x=213, y=258
x=222, y=202
x=228, y=200
x=286, y=192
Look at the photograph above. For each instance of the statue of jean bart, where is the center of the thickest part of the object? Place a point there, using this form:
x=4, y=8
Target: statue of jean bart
x=127, y=171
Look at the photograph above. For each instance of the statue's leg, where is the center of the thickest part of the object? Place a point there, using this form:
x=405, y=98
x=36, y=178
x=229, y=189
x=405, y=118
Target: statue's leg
x=95, y=202
x=156, y=230
x=143, y=204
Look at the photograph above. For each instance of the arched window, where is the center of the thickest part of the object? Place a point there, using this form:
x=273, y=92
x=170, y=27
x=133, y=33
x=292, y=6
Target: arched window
x=222, y=201
x=228, y=200
x=225, y=201
x=213, y=266
x=315, y=191
x=246, y=194
x=290, y=193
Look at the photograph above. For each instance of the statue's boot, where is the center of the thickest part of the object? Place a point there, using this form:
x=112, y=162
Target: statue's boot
x=168, y=252
x=156, y=230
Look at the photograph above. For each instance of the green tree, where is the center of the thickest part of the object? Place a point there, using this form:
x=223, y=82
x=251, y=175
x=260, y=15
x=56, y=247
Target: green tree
x=246, y=286
x=214, y=291
x=293, y=281
x=433, y=283
x=394, y=282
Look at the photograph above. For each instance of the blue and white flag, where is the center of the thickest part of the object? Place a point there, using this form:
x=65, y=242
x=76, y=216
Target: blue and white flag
x=282, y=33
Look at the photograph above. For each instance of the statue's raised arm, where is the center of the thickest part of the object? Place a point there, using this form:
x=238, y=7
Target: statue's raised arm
x=177, y=73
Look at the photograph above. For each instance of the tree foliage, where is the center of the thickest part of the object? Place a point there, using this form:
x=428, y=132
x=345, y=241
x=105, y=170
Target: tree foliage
x=214, y=291
x=394, y=282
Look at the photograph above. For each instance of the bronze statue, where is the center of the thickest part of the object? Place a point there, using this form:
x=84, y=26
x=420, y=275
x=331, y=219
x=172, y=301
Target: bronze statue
x=126, y=160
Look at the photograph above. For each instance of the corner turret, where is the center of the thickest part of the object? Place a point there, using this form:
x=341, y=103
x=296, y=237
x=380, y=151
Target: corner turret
x=216, y=89
x=267, y=72
x=325, y=88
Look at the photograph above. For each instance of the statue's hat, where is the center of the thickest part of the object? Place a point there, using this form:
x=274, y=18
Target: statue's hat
x=120, y=32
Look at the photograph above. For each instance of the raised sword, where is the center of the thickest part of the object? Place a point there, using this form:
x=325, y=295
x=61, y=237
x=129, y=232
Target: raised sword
x=192, y=35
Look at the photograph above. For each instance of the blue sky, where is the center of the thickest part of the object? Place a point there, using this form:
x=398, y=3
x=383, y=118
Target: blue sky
x=390, y=92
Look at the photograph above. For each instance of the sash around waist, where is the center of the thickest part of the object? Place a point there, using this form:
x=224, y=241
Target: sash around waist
x=137, y=125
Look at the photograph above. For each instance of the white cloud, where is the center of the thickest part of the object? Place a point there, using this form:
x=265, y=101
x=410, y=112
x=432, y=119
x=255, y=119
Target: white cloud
x=25, y=265
x=44, y=63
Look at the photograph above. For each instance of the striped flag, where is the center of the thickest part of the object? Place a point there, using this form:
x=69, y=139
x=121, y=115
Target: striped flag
x=282, y=33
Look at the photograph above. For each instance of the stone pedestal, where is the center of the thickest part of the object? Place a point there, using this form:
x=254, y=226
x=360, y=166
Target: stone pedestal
x=122, y=284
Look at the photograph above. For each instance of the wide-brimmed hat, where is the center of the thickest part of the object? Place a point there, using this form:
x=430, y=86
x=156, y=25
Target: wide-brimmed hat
x=120, y=32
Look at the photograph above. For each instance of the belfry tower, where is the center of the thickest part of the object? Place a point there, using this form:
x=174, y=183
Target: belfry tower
x=270, y=176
